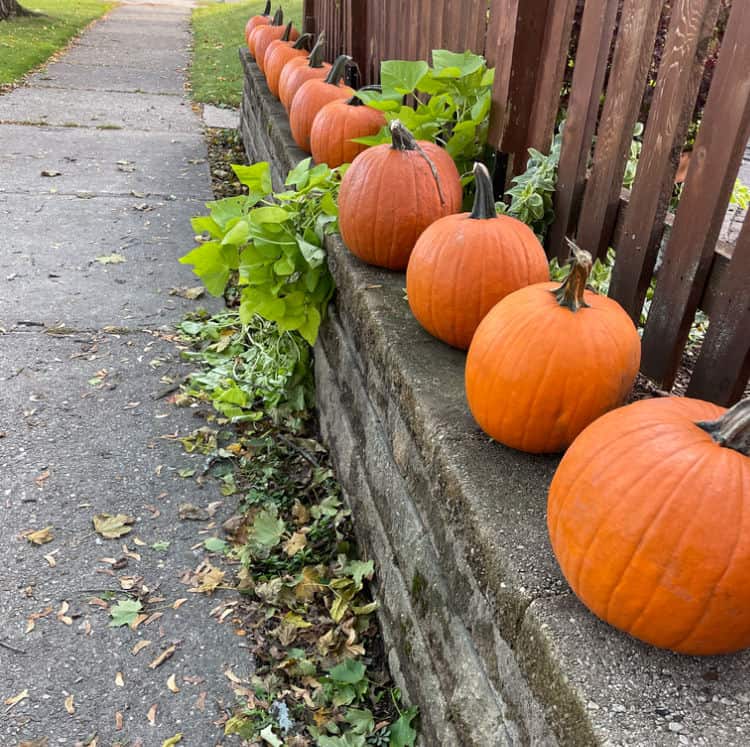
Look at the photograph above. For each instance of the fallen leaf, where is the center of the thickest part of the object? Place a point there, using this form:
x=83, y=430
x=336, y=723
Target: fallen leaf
x=138, y=541
x=38, y=536
x=128, y=582
x=163, y=656
x=110, y=259
x=268, y=736
x=62, y=617
x=153, y=617
x=232, y=677
x=112, y=527
x=200, y=701
x=172, y=741
x=178, y=603
x=50, y=558
x=16, y=698
x=190, y=293
x=172, y=684
x=124, y=612
x=69, y=707
x=41, y=479
x=139, y=647
x=119, y=680
x=208, y=578
x=297, y=542
x=51, y=172
x=129, y=554
x=187, y=511
x=118, y=721
x=151, y=715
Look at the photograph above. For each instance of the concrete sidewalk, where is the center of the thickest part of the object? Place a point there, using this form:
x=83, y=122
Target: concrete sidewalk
x=88, y=257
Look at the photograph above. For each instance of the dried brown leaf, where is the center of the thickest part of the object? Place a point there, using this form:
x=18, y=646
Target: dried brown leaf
x=163, y=656
x=172, y=684
x=69, y=707
x=39, y=536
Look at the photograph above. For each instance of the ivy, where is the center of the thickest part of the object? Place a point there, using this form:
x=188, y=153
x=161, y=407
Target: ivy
x=452, y=103
x=272, y=246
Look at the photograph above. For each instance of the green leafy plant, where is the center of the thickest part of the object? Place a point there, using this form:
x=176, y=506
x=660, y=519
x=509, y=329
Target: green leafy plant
x=452, y=103
x=271, y=245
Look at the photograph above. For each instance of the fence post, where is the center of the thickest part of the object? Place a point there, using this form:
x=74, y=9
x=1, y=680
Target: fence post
x=309, y=25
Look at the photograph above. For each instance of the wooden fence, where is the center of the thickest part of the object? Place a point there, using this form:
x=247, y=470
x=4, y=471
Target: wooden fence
x=529, y=42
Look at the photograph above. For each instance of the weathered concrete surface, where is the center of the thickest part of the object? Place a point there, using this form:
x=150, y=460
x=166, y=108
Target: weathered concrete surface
x=83, y=426
x=114, y=162
x=483, y=632
x=223, y=119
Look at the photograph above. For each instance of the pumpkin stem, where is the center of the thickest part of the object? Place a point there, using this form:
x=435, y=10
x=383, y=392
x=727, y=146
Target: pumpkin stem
x=302, y=42
x=287, y=31
x=337, y=72
x=484, y=197
x=570, y=293
x=732, y=429
x=316, y=56
x=267, y=11
x=403, y=140
x=278, y=19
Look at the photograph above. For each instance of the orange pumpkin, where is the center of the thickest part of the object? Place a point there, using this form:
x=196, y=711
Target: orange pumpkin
x=312, y=96
x=251, y=36
x=299, y=70
x=391, y=193
x=337, y=124
x=264, y=35
x=540, y=345
x=278, y=54
x=649, y=517
x=260, y=20
x=464, y=264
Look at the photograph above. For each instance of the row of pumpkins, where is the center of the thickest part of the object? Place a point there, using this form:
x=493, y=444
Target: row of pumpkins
x=649, y=510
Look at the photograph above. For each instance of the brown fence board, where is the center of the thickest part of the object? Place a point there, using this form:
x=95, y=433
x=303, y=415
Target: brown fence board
x=723, y=366
x=719, y=147
x=550, y=75
x=672, y=106
x=590, y=69
x=634, y=51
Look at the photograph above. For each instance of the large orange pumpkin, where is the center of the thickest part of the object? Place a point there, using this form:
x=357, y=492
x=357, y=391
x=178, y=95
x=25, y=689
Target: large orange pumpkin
x=391, y=193
x=464, y=264
x=649, y=517
x=312, y=96
x=251, y=36
x=337, y=124
x=299, y=70
x=278, y=54
x=259, y=20
x=264, y=35
x=548, y=361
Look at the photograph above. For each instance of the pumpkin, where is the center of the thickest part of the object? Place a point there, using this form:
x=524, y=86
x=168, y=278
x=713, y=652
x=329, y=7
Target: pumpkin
x=312, y=96
x=251, y=36
x=391, y=193
x=278, y=54
x=337, y=124
x=299, y=70
x=547, y=361
x=264, y=35
x=462, y=265
x=260, y=20
x=649, y=517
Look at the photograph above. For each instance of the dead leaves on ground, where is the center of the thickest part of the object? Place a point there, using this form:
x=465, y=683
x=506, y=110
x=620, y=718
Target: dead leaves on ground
x=38, y=536
x=113, y=527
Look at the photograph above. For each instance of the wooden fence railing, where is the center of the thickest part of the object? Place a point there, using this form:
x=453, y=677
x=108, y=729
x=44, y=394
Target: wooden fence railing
x=529, y=42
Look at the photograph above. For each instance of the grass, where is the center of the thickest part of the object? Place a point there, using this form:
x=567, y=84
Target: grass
x=28, y=41
x=218, y=30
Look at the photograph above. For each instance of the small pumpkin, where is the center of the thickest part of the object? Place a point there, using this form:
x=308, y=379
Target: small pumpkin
x=260, y=20
x=264, y=35
x=251, y=36
x=538, y=346
x=278, y=54
x=649, y=517
x=391, y=193
x=299, y=70
x=312, y=96
x=337, y=124
x=462, y=265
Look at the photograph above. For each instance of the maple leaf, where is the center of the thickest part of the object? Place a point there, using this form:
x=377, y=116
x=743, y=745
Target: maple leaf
x=38, y=536
x=124, y=612
x=112, y=527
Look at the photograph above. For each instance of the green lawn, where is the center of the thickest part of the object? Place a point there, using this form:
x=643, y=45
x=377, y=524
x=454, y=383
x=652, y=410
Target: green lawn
x=218, y=30
x=28, y=41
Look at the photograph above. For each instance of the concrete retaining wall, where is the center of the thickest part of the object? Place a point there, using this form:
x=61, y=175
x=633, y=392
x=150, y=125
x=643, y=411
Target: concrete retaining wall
x=482, y=630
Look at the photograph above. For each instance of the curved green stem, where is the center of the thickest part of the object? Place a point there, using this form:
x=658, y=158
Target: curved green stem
x=287, y=31
x=484, y=197
x=338, y=70
x=570, y=293
x=316, y=56
x=267, y=10
x=401, y=137
x=302, y=42
x=278, y=19
x=732, y=429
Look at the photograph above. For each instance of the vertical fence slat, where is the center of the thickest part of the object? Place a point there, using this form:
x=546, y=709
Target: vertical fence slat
x=634, y=51
x=357, y=34
x=717, y=155
x=597, y=28
x=677, y=83
x=723, y=366
x=309, y=17
x=554, y=59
